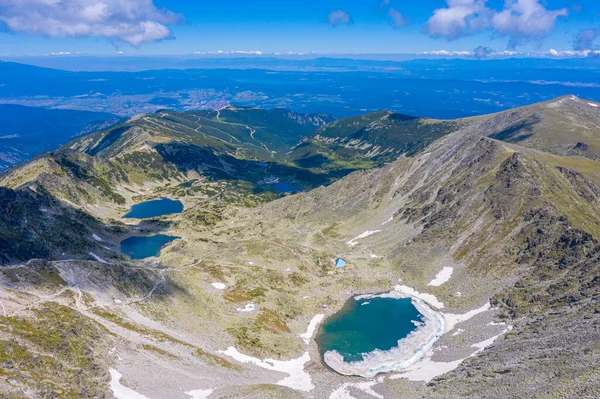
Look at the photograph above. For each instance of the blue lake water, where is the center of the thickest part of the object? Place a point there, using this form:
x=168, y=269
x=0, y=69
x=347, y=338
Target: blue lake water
x=283, y=187
x=155, y=208
x=365, y=325
x=145, y=247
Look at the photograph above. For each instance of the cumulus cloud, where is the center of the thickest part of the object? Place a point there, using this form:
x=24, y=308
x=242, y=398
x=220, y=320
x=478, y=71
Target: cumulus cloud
x=460, y=18
x=526, y=19
x=131, y=21
x=585, y=39
x=521, y=20
x=397, y=19
x=338, y=17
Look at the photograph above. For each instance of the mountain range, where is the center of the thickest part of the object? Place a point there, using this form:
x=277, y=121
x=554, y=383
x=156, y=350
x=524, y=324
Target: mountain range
x=508, y=202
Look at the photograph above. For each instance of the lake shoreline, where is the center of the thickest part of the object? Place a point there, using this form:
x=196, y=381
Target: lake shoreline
x=410, y=349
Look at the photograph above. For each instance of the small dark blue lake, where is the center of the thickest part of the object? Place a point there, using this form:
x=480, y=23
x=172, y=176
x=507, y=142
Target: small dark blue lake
x=365, y=325
x=145, y=247
x=283, y=187
x=155, y=208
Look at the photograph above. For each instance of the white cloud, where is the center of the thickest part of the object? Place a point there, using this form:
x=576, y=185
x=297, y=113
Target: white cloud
x=460, y=18
x=521, y=20
x=338, y=17
x=573, y=53
x=449, y=53
x=131, y=21
x=482, y=52
x=526, y=19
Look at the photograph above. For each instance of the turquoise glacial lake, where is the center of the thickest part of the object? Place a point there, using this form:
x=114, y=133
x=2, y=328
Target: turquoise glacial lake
x=365, y=325
x=155, y=208
x=145, y=247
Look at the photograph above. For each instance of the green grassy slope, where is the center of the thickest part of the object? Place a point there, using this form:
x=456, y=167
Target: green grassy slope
x=369, y=140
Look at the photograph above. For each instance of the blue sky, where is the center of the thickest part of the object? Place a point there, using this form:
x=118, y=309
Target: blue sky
x=146, y=27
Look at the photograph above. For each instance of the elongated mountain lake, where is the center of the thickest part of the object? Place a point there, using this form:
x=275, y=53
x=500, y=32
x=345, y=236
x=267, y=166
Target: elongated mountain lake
x=365, y=325
x=155, y=208
x=145, y=247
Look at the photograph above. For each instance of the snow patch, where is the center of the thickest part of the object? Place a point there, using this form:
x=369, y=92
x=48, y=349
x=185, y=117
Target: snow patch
x=403, y=291
x=442, y=277
x=387, y=221
x=121, y=391
x=312, y=327
x=219, y=286
x=297, y=378
x=363, y=235
x=99, y=259
x=200, y=393
x=366, y=387
x=97, y=238
x=453, y=319
x=426, y=370
x=593, y=105
x=248, y=308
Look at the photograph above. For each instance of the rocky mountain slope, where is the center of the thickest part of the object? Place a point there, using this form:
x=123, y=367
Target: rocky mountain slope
x=517, y=222
x=564, y=126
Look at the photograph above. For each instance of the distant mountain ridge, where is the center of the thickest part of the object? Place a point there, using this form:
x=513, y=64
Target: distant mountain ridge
x=28, y=131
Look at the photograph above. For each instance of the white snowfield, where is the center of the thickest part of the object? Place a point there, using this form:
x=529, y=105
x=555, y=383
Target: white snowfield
x=426, y=370
x=442, y=277
x=121, y=391
x=200, y=393
x=312, y=327
x=97, y=238
x=297, y=378
x=219, y=286
x=99, y=259
x=408, y=292
x=593, y=105
x=353, y=242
